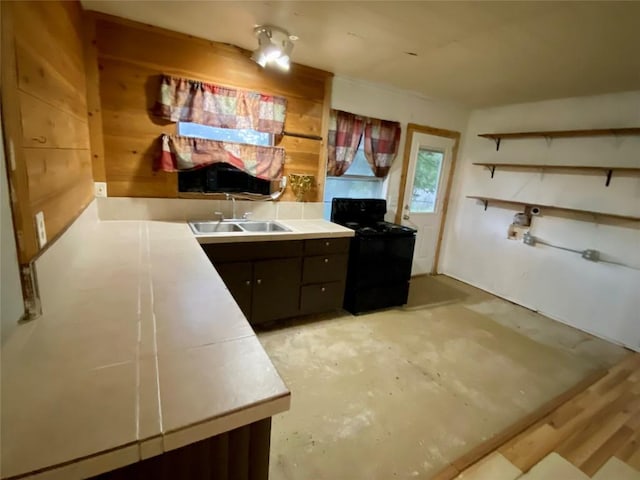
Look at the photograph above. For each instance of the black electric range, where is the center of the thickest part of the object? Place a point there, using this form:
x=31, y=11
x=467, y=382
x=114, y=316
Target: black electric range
x=379, y=258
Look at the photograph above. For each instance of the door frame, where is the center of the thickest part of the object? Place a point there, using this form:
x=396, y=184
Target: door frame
x=406, y=158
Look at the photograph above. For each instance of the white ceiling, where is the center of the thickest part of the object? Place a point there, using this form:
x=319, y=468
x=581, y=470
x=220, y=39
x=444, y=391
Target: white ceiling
x=472, y=53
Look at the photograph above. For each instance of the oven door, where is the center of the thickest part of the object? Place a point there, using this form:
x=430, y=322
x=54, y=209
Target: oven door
x=380, y=260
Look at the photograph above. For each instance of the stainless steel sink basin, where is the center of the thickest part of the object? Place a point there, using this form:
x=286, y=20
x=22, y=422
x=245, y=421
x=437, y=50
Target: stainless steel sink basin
x=246, y=226
x=263, y=227
x=214, y=227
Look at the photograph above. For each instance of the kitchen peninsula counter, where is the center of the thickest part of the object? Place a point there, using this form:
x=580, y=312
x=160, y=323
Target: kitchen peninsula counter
x=140, y=350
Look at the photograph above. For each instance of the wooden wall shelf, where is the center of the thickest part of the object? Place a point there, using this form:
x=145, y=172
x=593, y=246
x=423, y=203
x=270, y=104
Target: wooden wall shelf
x=497, y=137
x=488, y=200
x=607, y=170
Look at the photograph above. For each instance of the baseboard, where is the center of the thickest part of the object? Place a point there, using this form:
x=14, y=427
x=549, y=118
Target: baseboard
x=541, y=312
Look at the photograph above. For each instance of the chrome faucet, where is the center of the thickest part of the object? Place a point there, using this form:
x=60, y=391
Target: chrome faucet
x=233, y=204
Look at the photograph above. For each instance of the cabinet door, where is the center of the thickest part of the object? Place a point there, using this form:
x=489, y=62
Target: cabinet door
x=238, y=277
x=321, y=297
x=276, y=291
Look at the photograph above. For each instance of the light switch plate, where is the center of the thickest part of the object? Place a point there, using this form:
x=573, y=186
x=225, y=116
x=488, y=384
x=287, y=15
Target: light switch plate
x=100, y=189
x=40, y=229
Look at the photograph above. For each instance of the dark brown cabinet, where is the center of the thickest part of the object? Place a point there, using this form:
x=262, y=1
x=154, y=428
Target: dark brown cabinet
x=272, y=280
x=276, y=289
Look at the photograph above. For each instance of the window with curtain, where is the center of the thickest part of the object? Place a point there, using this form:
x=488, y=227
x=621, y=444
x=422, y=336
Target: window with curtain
x=360, y=152
x=224, y=138
x=358, y=181
x=223, y=178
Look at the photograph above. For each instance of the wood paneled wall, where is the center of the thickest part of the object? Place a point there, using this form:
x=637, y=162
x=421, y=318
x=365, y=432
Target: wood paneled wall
x=45, y=117
x=131, y=57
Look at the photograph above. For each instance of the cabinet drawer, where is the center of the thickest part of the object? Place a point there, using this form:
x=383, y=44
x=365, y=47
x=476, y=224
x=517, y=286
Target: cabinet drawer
x=322, y=297
x=321, y=246
x=244, y=251
x=325, y=268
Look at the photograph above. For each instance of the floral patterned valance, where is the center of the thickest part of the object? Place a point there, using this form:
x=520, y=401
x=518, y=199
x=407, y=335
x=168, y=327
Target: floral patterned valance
x=188, y=153
x=184, y=100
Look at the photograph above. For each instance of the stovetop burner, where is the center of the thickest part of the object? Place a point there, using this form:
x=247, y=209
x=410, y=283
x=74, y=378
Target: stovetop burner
x=379, y=228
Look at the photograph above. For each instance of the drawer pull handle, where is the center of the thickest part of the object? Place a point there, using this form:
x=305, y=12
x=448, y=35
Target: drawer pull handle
x=323, y=289
x=40, y=139
x=326, y=260
x=247, y=283
x=259, y=282
x=326, y=244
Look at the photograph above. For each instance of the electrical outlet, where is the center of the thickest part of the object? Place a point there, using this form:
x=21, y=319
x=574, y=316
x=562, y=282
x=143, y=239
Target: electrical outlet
x=40, y=229
x=591, y=255
x=100, y=189
x=529, y=239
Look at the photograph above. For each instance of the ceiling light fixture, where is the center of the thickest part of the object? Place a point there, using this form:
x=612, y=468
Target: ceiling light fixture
x=274, y=47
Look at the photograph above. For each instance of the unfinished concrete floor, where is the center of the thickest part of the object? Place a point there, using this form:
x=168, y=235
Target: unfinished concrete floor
x=400, y=393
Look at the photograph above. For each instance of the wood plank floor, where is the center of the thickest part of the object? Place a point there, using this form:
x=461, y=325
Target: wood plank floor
x=600, y=422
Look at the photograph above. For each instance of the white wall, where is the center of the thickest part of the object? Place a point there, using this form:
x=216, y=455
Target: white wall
x=11, y=305
x=600, y=298
x=384, y=102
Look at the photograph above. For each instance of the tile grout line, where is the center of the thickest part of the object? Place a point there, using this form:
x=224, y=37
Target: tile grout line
x=140, y=276
x=155, y=336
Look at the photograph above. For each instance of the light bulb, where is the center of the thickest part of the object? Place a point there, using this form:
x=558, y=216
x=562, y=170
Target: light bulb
x=283, y=62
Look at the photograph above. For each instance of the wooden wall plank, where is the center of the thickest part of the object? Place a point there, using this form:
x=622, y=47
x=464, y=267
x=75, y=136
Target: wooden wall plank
x=52, y=30
x=44, y=93
x=26, y=239
x=64, y=206
x=131, y=58
x=94, y=106
x=45, y=126
x=37, y=77
x=52, y=171
x=202, y=60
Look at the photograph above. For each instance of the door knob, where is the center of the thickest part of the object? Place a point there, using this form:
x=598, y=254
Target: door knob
x=326, y=260
x=248, y=282
x=259, y=282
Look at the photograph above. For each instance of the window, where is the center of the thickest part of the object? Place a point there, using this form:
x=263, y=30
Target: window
x=251, y=137
x=221, y=177
x=357, y=182
x=426, y=181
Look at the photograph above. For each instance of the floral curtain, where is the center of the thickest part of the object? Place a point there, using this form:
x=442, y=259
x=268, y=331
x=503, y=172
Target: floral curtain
x=345, y=131
x=381, y=140
x=188, y=153
x=184, y=100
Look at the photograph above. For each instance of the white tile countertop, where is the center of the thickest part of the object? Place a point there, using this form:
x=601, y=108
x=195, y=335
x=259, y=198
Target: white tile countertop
x=141, y=349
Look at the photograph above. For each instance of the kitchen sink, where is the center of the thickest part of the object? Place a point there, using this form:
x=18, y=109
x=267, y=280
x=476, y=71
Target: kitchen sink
x=263, y=227
x=214, y=227
x=247, y=226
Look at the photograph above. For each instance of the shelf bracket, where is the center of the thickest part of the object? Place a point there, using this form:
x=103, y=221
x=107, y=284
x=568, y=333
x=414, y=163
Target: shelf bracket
x=486, y=204
x=497, y=140
x=492, y=169
x=609, y=172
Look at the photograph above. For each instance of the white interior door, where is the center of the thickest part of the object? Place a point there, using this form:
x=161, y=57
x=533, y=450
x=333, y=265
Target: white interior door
x=427, y=174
